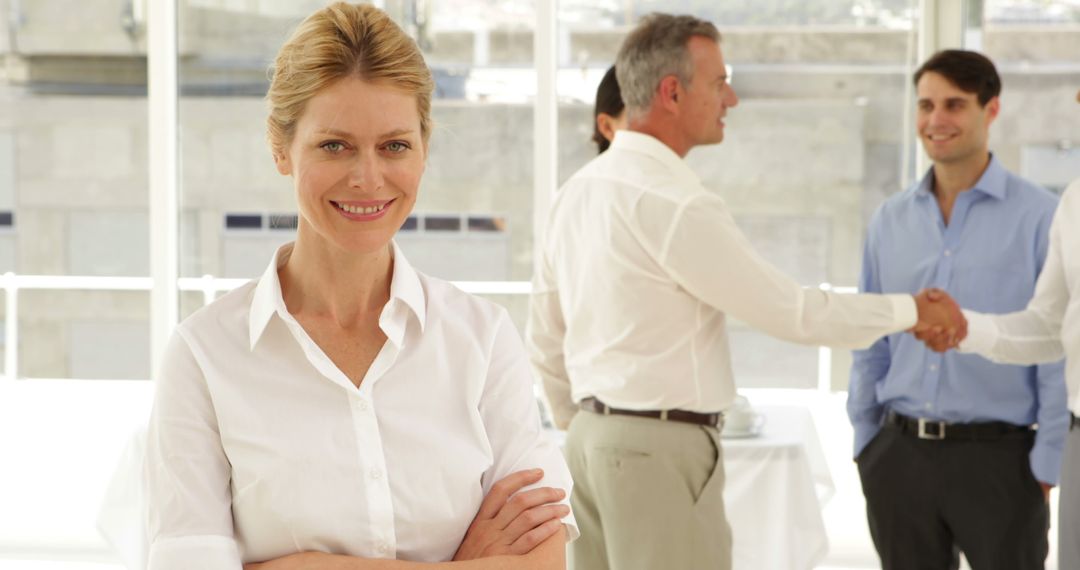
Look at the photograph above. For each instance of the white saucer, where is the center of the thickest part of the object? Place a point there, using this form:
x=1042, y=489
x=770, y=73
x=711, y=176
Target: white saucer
x=742, y=434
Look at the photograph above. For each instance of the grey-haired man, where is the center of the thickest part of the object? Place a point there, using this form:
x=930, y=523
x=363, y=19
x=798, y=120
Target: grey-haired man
x=639, y=269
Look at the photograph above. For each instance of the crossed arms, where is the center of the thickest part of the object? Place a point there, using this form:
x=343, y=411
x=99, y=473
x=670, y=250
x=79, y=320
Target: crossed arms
x=512, y=530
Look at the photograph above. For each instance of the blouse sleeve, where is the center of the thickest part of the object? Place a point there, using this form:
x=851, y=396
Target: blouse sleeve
x=511, y=417
x=186, y=471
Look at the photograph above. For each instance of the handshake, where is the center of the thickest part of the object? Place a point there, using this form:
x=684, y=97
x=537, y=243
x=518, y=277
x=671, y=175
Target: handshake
x=941, y=325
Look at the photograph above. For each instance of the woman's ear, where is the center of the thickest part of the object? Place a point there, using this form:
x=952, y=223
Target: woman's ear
x=281, y=161
x=605, y=123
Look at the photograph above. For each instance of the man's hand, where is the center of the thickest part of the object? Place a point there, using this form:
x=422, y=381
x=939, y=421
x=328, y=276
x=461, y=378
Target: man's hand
x=509, y=522
x=941, y=325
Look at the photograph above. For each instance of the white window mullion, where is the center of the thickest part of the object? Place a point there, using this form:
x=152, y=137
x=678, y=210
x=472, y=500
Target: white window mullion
x=941, y=26
x=545, y=118
x=162, y=101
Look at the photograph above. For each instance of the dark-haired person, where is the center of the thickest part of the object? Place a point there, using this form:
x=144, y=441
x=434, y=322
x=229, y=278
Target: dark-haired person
x=946, y=444
x=609, y=113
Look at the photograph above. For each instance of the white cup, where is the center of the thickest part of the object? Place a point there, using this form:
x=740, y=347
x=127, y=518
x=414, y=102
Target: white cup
x=741, y=417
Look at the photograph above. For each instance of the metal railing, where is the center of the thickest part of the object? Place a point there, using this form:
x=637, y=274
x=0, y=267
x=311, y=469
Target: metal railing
x=209, y=285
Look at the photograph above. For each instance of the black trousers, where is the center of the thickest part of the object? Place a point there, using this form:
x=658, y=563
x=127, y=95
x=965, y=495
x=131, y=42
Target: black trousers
x=928, y=500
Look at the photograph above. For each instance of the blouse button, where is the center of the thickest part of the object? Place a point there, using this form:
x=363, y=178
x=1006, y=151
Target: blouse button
x=376, y=474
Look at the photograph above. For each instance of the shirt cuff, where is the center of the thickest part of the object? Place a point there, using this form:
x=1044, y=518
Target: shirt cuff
x=205, y=552
x=1045, y=464
x=572, y=532
x=864, y=434
x=982, y=334
x=905, y=314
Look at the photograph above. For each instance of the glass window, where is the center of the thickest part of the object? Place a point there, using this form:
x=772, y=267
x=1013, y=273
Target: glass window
x=1034, y=45
x=74, y=232
x=442, y=223
x=73, y=173
x=1003, y=13
x=7, y=169
x=243, y=221
x=108, y=243
x=282, y=222
x=476, y=224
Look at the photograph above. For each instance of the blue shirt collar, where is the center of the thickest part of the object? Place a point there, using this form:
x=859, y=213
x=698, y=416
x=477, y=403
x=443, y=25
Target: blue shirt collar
x=993, y=182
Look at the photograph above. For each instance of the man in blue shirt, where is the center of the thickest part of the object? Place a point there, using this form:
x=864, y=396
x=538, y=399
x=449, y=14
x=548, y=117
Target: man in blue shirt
x=946, y=444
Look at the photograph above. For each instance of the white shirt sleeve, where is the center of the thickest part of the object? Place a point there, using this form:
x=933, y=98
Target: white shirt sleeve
x=1033, y=335
x=546, y=333
x=187, y=472
x=706, y=253
x=512, y=420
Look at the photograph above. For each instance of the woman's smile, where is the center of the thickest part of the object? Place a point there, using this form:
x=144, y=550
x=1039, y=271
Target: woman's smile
x=363, y=211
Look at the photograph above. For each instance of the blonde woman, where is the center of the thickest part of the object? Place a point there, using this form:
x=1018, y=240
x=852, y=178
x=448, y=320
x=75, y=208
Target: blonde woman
x=345, y=410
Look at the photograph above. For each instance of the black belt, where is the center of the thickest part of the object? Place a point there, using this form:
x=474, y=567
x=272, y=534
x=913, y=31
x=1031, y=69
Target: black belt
x=1074, y=422
x=596, y=406
x=924, y=428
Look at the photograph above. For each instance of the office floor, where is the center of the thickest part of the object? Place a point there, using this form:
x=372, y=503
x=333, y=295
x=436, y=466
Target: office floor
x=70, y=435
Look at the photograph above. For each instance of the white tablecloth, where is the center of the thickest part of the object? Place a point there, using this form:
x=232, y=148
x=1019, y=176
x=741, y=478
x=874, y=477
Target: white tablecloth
x=777, y=484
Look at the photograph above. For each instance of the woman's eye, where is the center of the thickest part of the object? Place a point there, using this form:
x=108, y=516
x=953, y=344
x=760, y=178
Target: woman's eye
x=333, y=146
x=397, y=146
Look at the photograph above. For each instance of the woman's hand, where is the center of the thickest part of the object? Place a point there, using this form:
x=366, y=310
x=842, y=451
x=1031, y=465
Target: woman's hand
x=508, y=523
x=512, y=523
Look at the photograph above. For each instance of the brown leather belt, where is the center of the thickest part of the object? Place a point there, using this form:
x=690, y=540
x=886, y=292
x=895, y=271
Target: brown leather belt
x=924, y=428
x=597, y=407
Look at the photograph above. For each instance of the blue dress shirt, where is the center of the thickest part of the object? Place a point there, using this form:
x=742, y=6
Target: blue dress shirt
x=988, y=258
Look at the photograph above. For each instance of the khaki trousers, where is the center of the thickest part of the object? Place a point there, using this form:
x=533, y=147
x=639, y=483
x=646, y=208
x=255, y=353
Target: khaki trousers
x=648, y=494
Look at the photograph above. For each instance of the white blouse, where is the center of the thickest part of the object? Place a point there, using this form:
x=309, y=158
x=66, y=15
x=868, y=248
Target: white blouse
x=259, y=446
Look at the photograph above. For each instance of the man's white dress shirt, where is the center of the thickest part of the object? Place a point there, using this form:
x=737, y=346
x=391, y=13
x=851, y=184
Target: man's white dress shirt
x=1049, y=328
x=259, y=446
x=640, y=266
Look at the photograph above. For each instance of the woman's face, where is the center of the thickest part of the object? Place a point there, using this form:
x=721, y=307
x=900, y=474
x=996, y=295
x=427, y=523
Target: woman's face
x=356, y=159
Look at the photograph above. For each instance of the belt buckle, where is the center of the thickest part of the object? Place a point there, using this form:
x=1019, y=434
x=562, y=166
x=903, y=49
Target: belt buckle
x=924, y=434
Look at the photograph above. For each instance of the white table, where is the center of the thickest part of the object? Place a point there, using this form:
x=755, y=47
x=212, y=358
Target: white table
x=777, y=484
